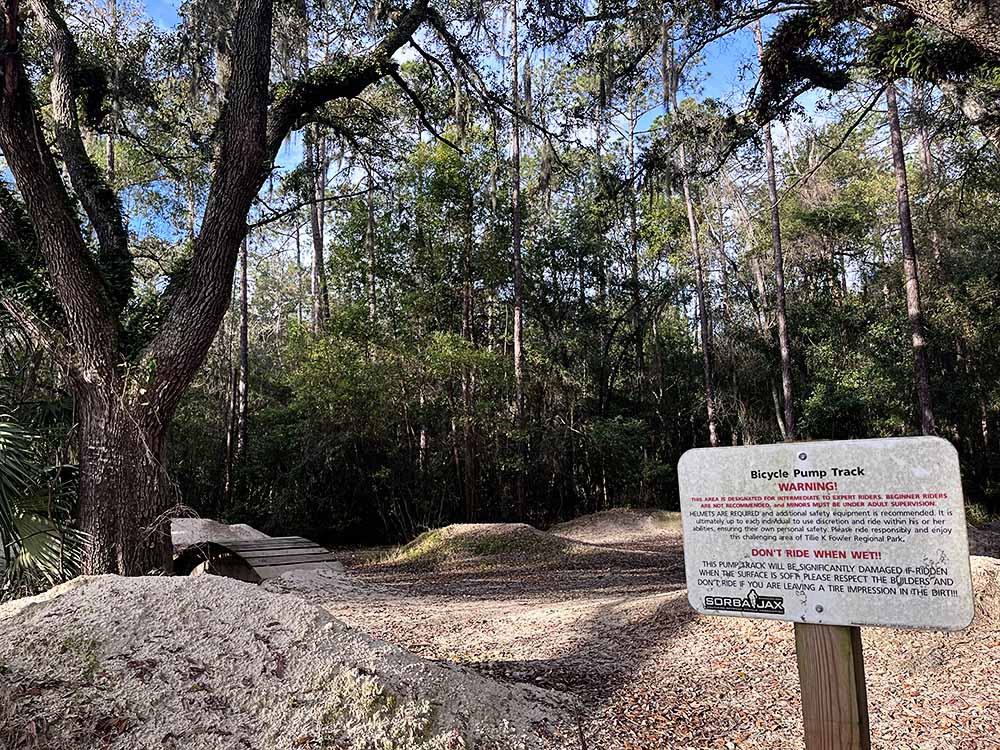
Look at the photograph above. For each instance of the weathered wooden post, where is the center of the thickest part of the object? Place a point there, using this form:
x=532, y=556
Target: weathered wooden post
x=831, y=536
x=832, y=683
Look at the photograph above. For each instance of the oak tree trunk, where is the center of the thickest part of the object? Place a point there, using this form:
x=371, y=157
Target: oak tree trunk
x=125, y=405
x=125, y=491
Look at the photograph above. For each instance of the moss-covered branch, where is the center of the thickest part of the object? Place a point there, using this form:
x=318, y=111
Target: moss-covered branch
x=343, y=77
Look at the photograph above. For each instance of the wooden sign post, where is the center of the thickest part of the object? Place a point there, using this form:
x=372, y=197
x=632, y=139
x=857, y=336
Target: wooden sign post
x=832, y=536
x=832, y=683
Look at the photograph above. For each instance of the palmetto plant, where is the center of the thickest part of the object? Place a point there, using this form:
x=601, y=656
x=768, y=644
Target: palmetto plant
x=38, y=547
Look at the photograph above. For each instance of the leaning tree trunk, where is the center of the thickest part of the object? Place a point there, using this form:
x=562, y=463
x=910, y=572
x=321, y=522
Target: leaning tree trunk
x=125, y=492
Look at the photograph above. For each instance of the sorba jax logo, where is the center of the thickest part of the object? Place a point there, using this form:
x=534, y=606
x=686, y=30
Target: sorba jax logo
x=752, y=602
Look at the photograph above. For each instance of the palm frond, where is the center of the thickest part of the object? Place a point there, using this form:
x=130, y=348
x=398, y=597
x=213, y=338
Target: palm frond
x=38, y=545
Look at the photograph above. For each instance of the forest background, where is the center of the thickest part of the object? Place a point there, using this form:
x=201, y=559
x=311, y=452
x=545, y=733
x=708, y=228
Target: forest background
x=410, y=344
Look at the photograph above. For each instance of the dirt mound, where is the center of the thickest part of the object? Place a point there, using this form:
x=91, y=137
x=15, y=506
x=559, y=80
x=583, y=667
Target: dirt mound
x=620, y=526
x=185, y=532
x=210, y=662
x=486, y=543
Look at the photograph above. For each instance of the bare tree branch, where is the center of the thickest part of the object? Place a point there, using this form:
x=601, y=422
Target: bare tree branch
x=279, y=214
x=419, y=105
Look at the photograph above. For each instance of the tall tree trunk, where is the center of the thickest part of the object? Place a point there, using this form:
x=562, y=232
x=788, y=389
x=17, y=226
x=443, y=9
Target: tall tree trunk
x=242, y=382
x=298, y=271
x=317, y=171
x=922, y=95
x=370, y=245
x=703, y=316
x=667, y=81
x=703, y=311
x=470, y=479
x=910, y=268
x=784, y=345
x=723, y=263
x=637, y=328
x=601, y=255
x=515, y=206
x=670, y=76
x=236, y=420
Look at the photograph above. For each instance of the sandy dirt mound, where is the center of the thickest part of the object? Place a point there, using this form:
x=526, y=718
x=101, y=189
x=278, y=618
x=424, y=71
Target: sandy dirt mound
x=185, y=532
x=479, y=547
x=482, y=543
x=620, y=526
x=209, y=662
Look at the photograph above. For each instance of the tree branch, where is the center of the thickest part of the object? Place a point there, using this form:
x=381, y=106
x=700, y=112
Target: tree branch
x=250, y=137
x=419, y=105
x=91, y=327
x=342, y=78
x=241, y=168
x=98, y=199
x=279, y=214
x=977, y=22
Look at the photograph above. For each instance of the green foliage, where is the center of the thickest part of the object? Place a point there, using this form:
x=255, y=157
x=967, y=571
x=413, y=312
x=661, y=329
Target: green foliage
x=903, y=48
x=809, y=48
x=39, y=548
x=396, y=413
x=978, y=515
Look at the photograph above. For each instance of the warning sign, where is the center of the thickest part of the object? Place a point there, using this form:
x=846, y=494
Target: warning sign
x=854, y=532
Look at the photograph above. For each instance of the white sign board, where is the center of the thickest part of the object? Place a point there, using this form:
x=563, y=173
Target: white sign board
x=854, y=532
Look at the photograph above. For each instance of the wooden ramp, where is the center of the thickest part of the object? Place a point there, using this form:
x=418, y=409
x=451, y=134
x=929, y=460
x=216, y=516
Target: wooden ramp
x=255, y=560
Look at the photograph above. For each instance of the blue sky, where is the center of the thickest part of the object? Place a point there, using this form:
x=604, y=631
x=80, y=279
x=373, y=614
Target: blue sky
x=722, y=63
x=726, y=72
x=164, y=13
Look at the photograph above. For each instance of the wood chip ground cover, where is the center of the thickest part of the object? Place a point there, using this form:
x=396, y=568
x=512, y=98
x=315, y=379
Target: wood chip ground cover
x=648, y=672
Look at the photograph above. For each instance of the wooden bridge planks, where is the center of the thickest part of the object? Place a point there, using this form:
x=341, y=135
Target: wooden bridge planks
x=269, y=558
